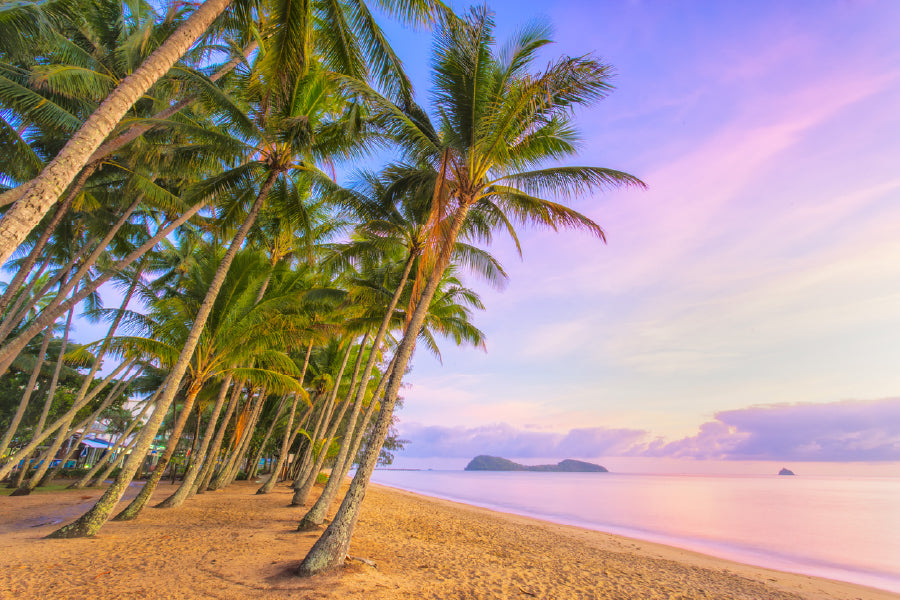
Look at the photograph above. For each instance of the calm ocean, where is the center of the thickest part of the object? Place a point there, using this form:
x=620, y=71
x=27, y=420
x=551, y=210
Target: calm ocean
x=836, y=527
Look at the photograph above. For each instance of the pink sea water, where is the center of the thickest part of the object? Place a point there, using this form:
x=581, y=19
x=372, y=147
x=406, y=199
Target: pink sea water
x=841, y=528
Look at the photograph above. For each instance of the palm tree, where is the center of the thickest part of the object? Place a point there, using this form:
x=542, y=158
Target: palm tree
x=346, y=35
x=238, y=328
x=449, y=317
x=499, y=124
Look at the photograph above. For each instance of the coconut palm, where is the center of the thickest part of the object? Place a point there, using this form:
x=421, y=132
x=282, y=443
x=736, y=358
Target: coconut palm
x=499, y=123
x=238, y=327
x=344, y=33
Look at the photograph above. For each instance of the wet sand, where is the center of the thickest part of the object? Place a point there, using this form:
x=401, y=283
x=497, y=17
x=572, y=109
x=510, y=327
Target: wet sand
x=233, y=544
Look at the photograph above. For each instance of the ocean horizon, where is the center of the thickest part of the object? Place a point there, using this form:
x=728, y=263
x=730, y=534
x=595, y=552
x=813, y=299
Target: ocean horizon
x=837, y=527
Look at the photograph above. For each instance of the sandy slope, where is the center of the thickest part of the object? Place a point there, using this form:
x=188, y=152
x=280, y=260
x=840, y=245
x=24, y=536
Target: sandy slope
x=234, y=544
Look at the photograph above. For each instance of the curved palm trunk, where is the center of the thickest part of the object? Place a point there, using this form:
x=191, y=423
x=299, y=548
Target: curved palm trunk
x=26, y=397
x=254, y=462
x=43, y=191
x=54, y=381
x=11, y=349
x=122, y=385
x=220, y=478
x=64, y=419
x=131, y=134
x=25, y=268
x=137, y=505
x=331, y=548
x=43, y=472
x=91, y=522
x=289, y=468
x=316, y=515
x=304, y=462
x=302, y=492
x=185, y=490
x=82, y=392
x=266, y=487
x=87, y=477
x=241, y=453
x=19, y=483
x=209, y=466
x=305, y=523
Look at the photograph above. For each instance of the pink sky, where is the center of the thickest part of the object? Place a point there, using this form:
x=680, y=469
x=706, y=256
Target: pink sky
x=761, y=267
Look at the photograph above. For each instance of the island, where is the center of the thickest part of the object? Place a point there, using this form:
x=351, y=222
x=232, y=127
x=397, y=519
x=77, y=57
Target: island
x=495, y=463
x=786, y=471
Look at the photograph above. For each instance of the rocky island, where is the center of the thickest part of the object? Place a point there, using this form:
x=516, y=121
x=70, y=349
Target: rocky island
x=786, y=471
x=495, y=463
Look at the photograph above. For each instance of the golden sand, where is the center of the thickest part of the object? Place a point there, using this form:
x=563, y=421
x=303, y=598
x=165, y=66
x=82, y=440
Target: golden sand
x=236, y=545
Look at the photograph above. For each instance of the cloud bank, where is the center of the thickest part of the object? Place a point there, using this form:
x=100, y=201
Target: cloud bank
x=834, y=432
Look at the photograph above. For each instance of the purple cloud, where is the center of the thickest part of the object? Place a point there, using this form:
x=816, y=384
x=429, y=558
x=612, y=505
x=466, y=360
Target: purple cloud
x=837, y=432
x=504, y=440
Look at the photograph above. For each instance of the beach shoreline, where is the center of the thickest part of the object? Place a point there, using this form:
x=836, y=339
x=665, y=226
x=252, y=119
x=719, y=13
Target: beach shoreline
x=233, y=544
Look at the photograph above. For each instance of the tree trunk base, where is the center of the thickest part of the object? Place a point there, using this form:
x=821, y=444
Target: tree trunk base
x=75, y=530
x=22, y=491
x=308, y=525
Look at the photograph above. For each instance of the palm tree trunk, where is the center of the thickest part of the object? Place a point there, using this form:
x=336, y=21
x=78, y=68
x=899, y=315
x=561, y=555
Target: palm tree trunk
x=86, y=383
x=331, y=548
x=91, y=522
x=246, y=439
x=54, y=381
x=364, y=423
x=25, y=268
x=289, y=468
x=64, y=419
x=209, y=466
x=305, y=523
x=316, y=515
x=64, y=433
x=82, y=392
x=355, y=433
x=219, y=480
x=136, y=505
x=301, y=492
x=26, y=397
x=266, y=487
x=45, y=189
x=227, y=475
x=123, y=384
x=254, y=466
x=305, y=462
x=11, y=349
x=87, y=477
x=185, y=490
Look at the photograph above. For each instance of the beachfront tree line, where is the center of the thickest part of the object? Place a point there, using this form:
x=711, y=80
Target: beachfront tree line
x=270, y=309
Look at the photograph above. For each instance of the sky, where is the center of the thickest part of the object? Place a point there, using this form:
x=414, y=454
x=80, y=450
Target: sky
x=747, y=304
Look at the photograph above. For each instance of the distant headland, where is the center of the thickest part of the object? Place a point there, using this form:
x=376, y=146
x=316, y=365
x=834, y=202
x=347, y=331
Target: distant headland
x=495, y=463
x=786, y=471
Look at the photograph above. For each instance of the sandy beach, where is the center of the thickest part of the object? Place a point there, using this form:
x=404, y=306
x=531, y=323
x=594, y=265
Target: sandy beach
x=233, y=544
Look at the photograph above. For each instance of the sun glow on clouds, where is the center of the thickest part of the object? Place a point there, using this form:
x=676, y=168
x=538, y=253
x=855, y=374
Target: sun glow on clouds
x=836, y=431
x=760, y=266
